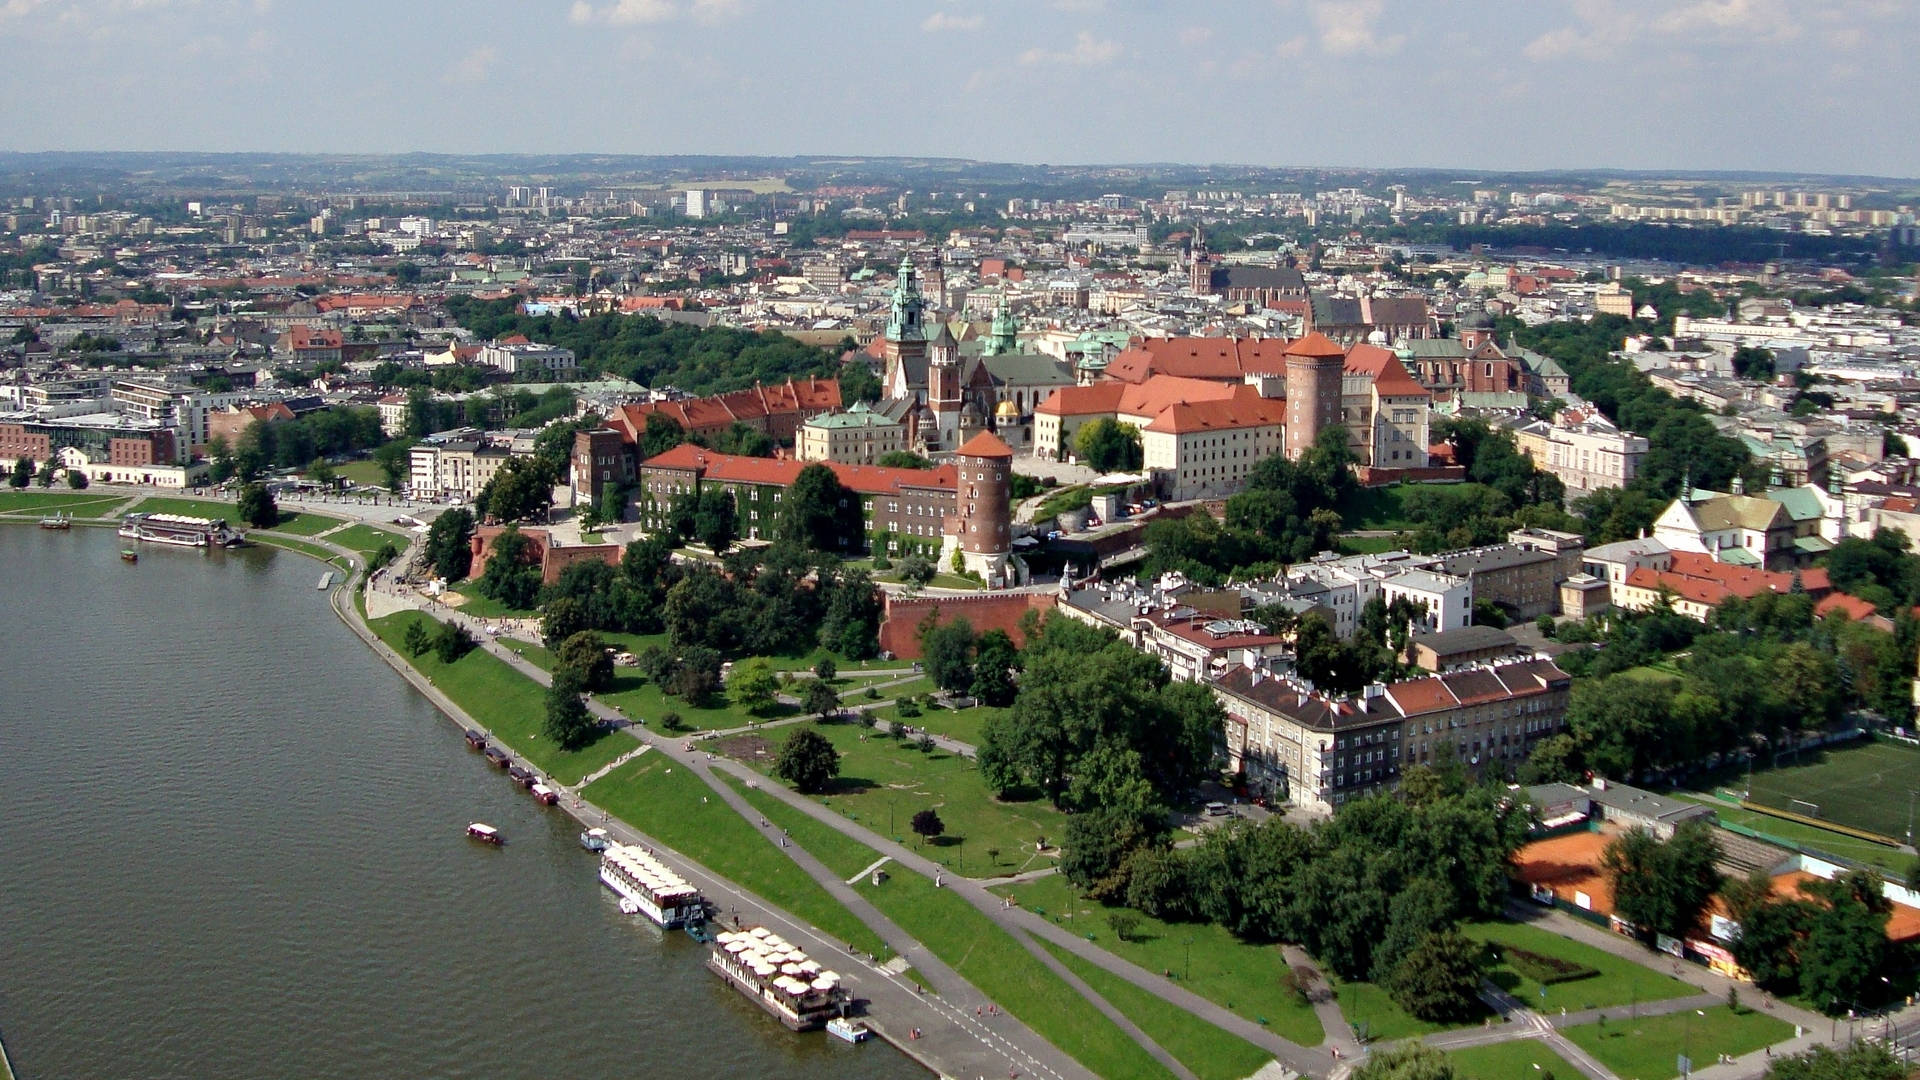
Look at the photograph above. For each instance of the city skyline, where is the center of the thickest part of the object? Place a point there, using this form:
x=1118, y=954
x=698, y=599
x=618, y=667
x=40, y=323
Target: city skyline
x=1721, y=85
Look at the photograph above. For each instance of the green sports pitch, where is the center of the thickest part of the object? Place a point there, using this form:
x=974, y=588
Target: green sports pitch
x=1866, y=785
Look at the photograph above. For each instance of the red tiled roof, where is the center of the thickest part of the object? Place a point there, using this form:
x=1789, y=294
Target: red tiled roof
x=1244, y=409
x=1315, y=345
x=1217, y=358
x=1851, y=606
x=779, y=472
x=1389, y=376
x=985, y=445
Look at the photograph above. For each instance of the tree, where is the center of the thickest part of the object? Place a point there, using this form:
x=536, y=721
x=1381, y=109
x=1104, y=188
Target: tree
x=394, y=463
x=585, y=655
x=76, y=480
x=902, y=459
x=1440, y=979
x=520, y=490
x=995, y=659
x=511, y=575
x=926, y=824
x=1861, y=1061
x=825, y=669
x=1846, y=943
x=714, y=518
x=1106, y=445
x=821, y=699
x=1124, y=924
x=1414, y=1062
x=820, y=513
x=1663, y=887
x=753, y=686
x=807, y=761
x=257, y=507
x=568, y=723
x=416, y=639
x=916, y=569
x=564, y=617
x=451, y=642
x=321, y=472
x=48, y=470
x=449, y=544
x=947, y=653
x=22, y=473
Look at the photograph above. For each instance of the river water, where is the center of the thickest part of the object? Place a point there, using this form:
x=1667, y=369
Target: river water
x=231, y=847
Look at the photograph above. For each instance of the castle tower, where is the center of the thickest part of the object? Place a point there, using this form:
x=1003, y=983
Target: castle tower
x=1314, y=368
x=905, y=338
x=943, y=389
x=1200, y=269
x=982, y=525
x=1005, y=335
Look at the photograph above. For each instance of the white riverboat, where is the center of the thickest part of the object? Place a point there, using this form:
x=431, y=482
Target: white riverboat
x=782, y=979
x=181, y=530
x=657, y=892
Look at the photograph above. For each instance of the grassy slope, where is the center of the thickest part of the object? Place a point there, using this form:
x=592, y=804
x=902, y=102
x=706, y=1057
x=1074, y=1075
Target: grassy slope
x=1619, y=982
x=1212, y=1054
x=512, y=706
x=76, y=503
x=1231, y=973
x=1649, y=1048
x=1511, y=1060
x=676, y=808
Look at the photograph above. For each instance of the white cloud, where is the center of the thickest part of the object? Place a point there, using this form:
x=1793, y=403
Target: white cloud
x=1081, y=7
x=1348, y=27
x=941, y=20
x=1087, y=51
x=474, y=66
x=1743, y=18
x=1290, y=49
x=714, y=11
x=622, y=12
x=1196, y=35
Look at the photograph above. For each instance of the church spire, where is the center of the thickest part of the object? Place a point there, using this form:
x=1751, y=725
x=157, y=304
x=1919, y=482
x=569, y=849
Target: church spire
x=905, y=318
x=1005, y=335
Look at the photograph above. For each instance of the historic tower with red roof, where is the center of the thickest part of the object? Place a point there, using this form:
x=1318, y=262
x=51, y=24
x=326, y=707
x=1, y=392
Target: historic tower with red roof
x=981, y=529
x=943, y=390
x=1314, y=365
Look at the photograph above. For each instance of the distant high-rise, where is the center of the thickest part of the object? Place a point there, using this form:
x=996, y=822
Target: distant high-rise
x=696, y=203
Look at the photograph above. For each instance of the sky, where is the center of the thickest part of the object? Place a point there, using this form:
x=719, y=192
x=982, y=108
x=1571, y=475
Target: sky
x=1789, y=85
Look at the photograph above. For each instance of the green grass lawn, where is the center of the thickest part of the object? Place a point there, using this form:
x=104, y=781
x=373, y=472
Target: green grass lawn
x=1376, y=508
x=1365, y=545
x=76, y=503
x=883, y=782
x=1511, y=1061
x=361, y=472
x=1619, y=982
x=306, y=523
x=1649, y=1048
x=992, y=960
x=1864, y=785
x=508, y=703
x=1369, y=1008
x=301, y=546
x=1210, y=1052
x=481, y=607
x=963, y=725
x=675, y=807
x=205, y=508
x=640, y=699
x=1793, y=834
x=1236, y=975
x=367, y=539
x=842, y=854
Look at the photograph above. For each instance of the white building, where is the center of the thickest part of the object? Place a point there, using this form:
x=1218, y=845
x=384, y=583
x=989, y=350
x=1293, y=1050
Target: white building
x=696, y=203
x=522, y=357
x=1205, y=449
x=1448, y=600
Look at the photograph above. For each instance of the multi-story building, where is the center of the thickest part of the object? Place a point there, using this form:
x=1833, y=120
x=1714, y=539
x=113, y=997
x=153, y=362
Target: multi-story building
x=1584, y=451
x=1739, y=529
x=1445, y=601
x=456, y=465
x=1384, y=409
x=1205, y=449
x=1318, y=751
x=859, y=436
x=1522, y=581
x=520, y=357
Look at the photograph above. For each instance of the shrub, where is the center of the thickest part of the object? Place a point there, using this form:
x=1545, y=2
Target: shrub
x=1545, y=970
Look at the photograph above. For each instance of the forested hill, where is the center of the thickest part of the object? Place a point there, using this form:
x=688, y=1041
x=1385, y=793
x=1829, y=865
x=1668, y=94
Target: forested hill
x=652, y=352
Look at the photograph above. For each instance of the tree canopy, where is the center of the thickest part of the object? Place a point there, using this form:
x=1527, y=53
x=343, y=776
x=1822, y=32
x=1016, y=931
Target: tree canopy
x=807, y=761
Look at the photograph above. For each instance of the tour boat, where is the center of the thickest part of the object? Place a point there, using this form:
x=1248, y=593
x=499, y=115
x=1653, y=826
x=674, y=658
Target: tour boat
x=853, y=1031
x=181, y=530
x=129, y=555
x=594, y=839
x=544, y=795
x=658, y=893
x=476, y=738
x=57, y=521
x=780, y=978
x=524, y=776
x=485, y=833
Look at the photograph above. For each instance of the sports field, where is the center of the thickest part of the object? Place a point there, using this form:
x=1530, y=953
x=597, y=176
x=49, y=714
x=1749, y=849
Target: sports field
x=1865, y=785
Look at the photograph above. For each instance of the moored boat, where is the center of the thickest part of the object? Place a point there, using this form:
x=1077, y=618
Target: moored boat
x=56, y=521
x=595, y=839
x=485, y=833
x=129, y=555
x=181, y=530
x=476, y=738
x=544, y=795
x=656, y=891
x=523, y=776
x=499, y=757
x=766, y=968
x=853, y=1031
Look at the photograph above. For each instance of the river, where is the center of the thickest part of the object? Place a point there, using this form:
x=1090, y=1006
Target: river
x=230, y=847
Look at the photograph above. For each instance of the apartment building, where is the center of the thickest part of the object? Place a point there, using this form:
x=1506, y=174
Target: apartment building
x=858, y=436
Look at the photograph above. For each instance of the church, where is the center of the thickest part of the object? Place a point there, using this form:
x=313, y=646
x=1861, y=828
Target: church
x=945, y=390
